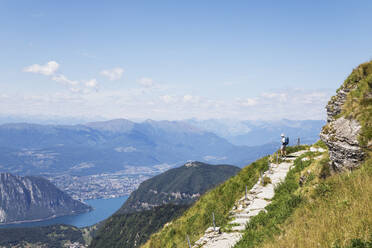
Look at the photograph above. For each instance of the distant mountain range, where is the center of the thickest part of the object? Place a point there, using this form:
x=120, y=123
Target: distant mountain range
x=111, y=146
x=157, y=201
x=34, y=198
x=255, y=133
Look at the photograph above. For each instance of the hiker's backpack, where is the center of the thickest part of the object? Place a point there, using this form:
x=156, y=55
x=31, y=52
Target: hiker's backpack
x=286, y=142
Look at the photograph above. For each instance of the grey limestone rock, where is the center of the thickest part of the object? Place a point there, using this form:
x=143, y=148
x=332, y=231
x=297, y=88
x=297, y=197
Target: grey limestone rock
x=340, y=134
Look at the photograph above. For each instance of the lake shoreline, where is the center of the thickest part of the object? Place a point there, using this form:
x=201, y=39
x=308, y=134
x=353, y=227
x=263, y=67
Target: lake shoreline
x=44, y=219
x=101, y=210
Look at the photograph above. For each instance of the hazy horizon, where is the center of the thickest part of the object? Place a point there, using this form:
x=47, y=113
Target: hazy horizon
x=70, y=120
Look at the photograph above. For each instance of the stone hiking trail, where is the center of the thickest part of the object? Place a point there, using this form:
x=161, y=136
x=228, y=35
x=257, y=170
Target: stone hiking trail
x=257, y=199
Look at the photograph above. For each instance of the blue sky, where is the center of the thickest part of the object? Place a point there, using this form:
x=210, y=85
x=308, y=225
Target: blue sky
x=178, y=59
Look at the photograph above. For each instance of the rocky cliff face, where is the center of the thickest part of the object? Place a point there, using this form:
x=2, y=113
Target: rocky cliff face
x=348, y=130
x=33, y=198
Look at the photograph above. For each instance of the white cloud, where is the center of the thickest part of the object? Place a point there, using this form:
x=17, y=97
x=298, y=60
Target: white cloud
x=299, y=104
x=187, y=98
x=125, y=149
x=48, y=69
x=281, y=96
x=75, y=90
x=191, y=99
x=168, y=99
x=75, y=86
x=248, y=102
x=64, y=80
x=146, y=82
x=314, y=97
x=114, y=73
x=92, y=83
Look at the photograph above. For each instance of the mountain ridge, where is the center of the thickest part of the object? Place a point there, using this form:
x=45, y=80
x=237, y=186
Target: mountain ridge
x=252, y=133
x=110, y=146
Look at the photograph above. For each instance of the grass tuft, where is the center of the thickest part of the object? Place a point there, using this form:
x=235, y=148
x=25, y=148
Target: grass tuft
x=266, y=180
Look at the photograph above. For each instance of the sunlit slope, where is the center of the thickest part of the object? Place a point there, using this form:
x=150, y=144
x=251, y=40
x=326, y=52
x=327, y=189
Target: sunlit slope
x=219, y=201
x=335, y=209
x=314, y=206
x=336, y=212
x=198, y=218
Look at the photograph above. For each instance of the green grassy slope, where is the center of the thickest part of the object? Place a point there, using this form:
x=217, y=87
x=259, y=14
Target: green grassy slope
x=219, y=200
x=320, y=210
x=333, y=210
x=285, y=201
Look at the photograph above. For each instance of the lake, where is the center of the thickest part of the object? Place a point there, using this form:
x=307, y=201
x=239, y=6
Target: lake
x=102, y=209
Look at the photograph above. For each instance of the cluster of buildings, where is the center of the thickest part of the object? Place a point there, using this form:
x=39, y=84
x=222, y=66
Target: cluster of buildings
x=106, y=185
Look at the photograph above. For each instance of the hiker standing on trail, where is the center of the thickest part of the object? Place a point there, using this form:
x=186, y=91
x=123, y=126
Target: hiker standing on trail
x=285, y=141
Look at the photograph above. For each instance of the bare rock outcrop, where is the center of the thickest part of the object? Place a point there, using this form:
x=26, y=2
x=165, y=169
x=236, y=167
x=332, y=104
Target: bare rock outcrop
x=341, y=137
x=342, y=132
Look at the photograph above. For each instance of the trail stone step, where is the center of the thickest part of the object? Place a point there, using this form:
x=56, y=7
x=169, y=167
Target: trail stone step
x=239, y=221
x=267, y=192
x=247, y=214
x=226, y=240
x=244, y=209
x=258, y=204
x=238, y=228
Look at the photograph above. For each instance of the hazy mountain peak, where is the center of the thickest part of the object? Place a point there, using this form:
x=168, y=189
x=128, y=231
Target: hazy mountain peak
x=116, y=125
x=193, y=164
x=174, y=126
